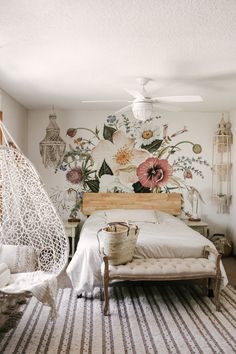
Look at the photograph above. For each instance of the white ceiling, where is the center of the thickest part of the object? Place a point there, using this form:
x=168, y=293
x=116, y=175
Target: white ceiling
x=63, y=51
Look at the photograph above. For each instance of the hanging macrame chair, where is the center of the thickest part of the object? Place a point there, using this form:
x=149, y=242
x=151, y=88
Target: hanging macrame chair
x=33, y=242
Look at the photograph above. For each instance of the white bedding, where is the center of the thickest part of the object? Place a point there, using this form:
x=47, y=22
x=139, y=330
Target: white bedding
x=169, y=238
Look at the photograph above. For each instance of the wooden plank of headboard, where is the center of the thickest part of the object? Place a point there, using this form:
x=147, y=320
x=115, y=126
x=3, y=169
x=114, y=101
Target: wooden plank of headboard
x=167, y=202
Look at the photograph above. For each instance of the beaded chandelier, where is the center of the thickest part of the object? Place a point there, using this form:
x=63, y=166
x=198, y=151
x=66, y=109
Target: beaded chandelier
x=52, y=147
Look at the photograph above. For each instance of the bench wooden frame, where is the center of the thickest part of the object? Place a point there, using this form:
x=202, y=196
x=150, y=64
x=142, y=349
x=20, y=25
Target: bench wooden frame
x=108, y=275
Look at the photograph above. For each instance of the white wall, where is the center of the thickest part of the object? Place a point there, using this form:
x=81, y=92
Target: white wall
x=232, y=219
x=15, y=119
x=201, y=127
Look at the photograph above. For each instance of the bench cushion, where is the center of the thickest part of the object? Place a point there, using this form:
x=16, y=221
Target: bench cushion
x=163, y=268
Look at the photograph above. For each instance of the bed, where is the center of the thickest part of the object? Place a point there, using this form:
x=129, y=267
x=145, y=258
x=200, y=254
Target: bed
x=162, y=234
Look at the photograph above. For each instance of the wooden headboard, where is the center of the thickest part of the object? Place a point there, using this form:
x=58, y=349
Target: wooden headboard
x=167, y=202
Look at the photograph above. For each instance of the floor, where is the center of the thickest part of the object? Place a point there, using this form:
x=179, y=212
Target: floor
x=230, y=268
x=229, y=264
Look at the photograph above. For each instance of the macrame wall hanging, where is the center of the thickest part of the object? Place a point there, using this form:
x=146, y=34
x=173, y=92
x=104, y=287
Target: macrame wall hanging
x=222, y=166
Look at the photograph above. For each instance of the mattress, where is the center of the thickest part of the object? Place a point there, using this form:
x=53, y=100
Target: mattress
x=169, y=237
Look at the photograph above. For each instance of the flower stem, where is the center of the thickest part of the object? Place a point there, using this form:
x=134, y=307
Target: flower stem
x=91, y=131
x=174, y=146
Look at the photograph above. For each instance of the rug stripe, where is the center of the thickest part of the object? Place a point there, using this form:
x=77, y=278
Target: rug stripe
x=218, y=319
x=165, y=316
x=213, y=324
x=142, y=320
x=180, y=321
x=160, y=319
x=116, y=322
x=38, y=332
x=4, y=337
x=186, y=337
x=84, y=321
x=10, y=346
x=133, y=314
x=59, y=324
x=204, y=335
x=229, y=296
x=91, y=327
x=156, y=326
x=25, y=341
x=62, y=348
x=129, y=344
x=121, y=317
x=50, y=325
x=71, y=326
x=77, y=328
x=228, y=314
x=207, y=314
x=103, y=327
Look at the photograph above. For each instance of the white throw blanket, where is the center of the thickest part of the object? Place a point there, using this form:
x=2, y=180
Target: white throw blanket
x=5, y=275
x=42, y=285
x=170, y=238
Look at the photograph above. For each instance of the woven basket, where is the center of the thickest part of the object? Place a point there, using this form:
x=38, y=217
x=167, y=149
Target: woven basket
x=119, y=240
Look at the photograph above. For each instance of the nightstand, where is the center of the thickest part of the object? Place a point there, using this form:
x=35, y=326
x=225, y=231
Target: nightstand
x=70, y=228
x=200, y=226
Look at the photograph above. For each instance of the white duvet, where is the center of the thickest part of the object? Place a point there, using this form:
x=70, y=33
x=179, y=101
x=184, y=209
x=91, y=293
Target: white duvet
x=168, y=238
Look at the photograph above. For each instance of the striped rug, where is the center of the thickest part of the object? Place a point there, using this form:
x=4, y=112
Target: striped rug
x=143, y=319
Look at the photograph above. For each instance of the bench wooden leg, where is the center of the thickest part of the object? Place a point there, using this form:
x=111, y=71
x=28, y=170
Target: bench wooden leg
x=217, y=293
x=105, y=286
x=106, y=297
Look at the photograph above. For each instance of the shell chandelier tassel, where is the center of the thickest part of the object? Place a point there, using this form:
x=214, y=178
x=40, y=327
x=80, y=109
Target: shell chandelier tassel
x=222, y=166
x=52, y=147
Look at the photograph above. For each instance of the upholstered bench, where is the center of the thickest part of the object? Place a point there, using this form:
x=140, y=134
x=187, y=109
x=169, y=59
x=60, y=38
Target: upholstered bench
x=164, y=269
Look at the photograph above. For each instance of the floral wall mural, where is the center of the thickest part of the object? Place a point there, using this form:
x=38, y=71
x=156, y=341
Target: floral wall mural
x=125, y=156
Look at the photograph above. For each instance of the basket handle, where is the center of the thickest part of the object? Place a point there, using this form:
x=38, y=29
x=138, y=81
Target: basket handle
x=113, y=224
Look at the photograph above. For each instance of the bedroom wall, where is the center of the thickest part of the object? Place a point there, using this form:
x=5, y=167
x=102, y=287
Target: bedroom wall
x=232, y=219
x=15, y=118
x=201, y=127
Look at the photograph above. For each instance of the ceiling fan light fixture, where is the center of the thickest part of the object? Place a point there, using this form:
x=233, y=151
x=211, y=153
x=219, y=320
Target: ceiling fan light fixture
x=142, y=110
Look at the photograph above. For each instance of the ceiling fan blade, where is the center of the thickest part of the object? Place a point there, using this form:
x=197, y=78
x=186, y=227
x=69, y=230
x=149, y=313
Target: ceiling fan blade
x=178, y=99
x=136, y=94
x=124, y=109
x=167, y=107
x=104, y=101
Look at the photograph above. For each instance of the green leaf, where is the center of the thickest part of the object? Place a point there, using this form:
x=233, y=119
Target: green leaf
x=104, y=170
x=154, y=146
x=108, y=132
x=138, y=188
x=93, y=185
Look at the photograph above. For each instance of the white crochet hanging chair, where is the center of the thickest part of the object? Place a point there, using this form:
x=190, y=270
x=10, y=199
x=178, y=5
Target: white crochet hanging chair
x=33, y=242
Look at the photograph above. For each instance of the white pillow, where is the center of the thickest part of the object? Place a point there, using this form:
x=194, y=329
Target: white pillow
x=131, y=215
x=5, y=275
x=19, y=259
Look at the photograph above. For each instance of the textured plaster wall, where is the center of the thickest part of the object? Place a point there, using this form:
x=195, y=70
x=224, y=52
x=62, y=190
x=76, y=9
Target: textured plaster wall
x=201, y=127
x=232, y=218
x=15, y=119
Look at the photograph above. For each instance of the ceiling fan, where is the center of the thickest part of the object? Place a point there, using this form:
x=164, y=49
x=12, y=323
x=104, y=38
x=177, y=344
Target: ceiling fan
x=142, y=105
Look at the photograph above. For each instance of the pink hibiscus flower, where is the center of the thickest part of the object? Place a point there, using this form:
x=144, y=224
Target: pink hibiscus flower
x=154, y=172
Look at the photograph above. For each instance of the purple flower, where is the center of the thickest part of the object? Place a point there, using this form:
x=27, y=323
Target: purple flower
x=75, y=175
